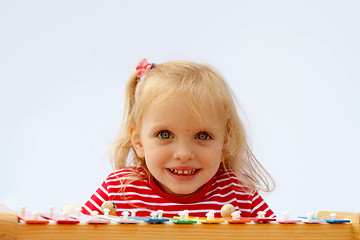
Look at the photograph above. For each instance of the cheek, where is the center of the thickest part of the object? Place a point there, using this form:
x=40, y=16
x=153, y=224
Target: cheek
x=215, y=156
x=156, y=154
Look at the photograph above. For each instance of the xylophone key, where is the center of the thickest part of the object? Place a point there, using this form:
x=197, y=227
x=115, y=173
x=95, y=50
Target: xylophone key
x=31, y=218
x=58, y=218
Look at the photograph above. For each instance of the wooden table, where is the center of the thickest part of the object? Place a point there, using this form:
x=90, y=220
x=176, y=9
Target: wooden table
x=10, y=228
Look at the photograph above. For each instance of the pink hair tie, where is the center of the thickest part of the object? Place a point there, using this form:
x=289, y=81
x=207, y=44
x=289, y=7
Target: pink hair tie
x=143, y=66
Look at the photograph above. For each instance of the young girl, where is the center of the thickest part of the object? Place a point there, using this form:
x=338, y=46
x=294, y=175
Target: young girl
x=182, y=147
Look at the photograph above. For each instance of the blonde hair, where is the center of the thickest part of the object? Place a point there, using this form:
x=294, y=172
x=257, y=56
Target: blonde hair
x=198, y=84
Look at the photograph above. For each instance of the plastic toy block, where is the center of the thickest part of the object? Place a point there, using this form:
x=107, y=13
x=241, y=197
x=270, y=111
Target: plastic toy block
x=31, y=218
x=59, y=219
x=177, y=221
x=120, y=219
x=156, y=217
x=290, y=221
x=286, y=219
x=334, y=220
x=183, y=215
x=151, y=220
x=311, y=219
x=124, y=219
x=212, y=221
x=210, y=218
x=93, y=219
x=237, y=221
x=337, y=221
x=264, y=220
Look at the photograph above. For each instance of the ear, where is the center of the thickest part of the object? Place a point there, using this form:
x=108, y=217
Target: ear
x=136, y=143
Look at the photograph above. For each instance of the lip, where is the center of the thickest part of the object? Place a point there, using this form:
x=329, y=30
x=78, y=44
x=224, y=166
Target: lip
x=183, y=177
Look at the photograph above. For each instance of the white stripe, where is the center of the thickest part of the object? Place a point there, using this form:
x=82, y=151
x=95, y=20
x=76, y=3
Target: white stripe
x=272, y=215
x=231, y=184
x=104, y=190
x=95, y=204
x=231, y=200
x=121, y=179
x=128, y=185
x=227, y=194
x=122, y=171
x=227, y=174
x=87, y=209
x=99, y=197
x=258, y=206
x=227, y=186
x=244, y=201
x=223, y=195
x=226, y=179
x=134, y=193
x=257, y=196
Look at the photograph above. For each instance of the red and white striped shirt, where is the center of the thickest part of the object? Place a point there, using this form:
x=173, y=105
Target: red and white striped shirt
x=146, y=196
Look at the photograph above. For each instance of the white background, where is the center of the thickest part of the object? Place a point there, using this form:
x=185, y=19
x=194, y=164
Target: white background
x=293, y=65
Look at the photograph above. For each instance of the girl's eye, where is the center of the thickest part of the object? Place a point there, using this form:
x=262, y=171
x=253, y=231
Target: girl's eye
x=203, y=136
x=164, y=135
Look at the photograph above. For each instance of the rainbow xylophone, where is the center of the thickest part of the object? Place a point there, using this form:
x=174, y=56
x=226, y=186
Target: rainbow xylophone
x=12, y=228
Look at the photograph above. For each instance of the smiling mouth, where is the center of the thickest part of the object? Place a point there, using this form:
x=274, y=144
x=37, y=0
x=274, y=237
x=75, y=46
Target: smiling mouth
x=183, y=172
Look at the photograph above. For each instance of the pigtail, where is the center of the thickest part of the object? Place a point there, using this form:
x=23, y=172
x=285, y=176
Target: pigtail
x=121, y=148
x=130, y=94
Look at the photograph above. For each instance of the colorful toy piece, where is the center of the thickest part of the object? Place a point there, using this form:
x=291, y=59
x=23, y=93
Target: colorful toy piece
x=31, y=218
x=155, y=217
x=262, y=219
x=60, y=219
x=93, y=219
x=183, y=218
x=286, y=219
x=124, y=219
x=210, y=218
x=310, y=218
x=236, y=218
x=334, y=220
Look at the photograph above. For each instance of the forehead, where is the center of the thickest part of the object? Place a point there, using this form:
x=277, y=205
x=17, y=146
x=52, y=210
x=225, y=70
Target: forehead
x=179, y=109
x=204, y=97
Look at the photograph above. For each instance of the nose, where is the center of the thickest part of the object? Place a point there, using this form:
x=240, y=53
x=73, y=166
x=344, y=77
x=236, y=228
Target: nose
x=183, y=152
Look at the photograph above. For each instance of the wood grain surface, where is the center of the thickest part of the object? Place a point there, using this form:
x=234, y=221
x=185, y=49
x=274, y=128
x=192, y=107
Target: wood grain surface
x=10, y=228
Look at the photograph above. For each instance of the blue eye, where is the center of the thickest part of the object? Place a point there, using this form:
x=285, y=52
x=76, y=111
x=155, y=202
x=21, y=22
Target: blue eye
x=164, y=135
x=203, y=136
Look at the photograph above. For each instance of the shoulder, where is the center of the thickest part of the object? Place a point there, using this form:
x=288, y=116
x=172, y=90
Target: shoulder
x=227, y=178
x=128, y=173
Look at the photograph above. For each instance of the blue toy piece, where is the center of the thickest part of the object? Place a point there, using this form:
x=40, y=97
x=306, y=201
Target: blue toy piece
x=337, y=221
x=150, y=220
x=320, y=220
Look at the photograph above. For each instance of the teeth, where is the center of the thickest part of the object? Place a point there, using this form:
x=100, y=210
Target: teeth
x=183, y=172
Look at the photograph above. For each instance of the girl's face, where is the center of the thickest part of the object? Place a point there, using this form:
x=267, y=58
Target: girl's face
x=181, y=152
